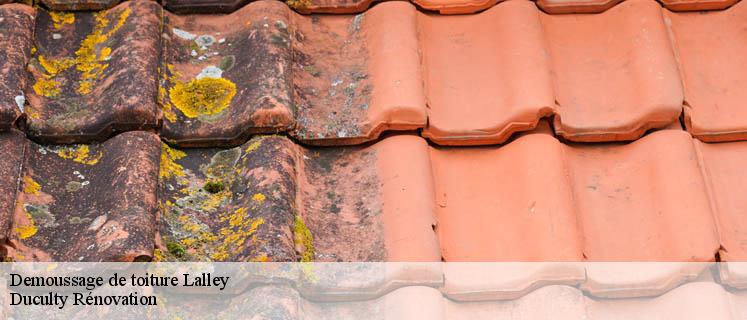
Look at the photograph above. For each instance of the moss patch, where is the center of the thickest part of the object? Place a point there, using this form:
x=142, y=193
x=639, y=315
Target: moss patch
x=303, y=240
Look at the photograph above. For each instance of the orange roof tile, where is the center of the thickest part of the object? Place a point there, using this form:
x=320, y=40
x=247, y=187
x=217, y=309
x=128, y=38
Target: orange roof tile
x=697, y=5
x=576, y=6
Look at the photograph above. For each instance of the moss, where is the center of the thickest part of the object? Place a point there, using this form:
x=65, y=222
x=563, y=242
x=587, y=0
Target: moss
x=214, y=186
x=175, y=249
x=206, y=96
x=30, y=186
x=60, y=19
x=169, y=168
x=303, y=240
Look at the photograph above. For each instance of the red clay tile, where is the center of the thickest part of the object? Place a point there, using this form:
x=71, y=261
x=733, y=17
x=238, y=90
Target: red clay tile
x=277, y=201
x=483, y=217
x=638, y=279
x=722, y=165
x=329, y=6
x=203, y=6
x=16, y=32
x=243, y=62
x=576, y=6
x=615, y=74
x=637, y=205
x=348, y=88
x=14, y=146
x=486, y=75
x=550, y=302
x=456, y=6
x=88, y=202
x=712, y=67
x=697, y=5
x=75, y=5
x=94, y=73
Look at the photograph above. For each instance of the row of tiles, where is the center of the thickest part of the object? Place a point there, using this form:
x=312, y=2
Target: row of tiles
x=357, y=6
x=665, y=197
x=331, y=80
x=696, y=300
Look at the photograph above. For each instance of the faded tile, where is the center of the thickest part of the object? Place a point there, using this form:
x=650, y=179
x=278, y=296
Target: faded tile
x=94, y=73
x=88, y=202
x=16, y=32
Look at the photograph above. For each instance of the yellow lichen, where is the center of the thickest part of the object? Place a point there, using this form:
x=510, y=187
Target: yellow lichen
x=303, y=240
x=254, y=145
x=240, y=228
x=298, y=4
x=214, y=200
x=28, y=229
x=60, y=19
x=206, y=96
x=158, y=255
x=54, y=66
x=30, y=186
x=49, y=88
x=80, y=154
x=258, y=197
x=169, y=168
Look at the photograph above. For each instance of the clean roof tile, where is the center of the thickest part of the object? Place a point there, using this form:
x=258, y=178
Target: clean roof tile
x=576, y=6
x=714, y=71
x=456, y=6
x=486, y=75
x=697, y=5
x=16, y=32
x=615, y=74
x=94, y=73
x=88, y=202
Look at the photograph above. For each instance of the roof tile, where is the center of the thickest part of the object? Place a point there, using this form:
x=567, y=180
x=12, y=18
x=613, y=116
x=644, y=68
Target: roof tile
x=697, y=5
x=88, y=202
x=203, y=6
x=456, y=6
x=712, y=67
x=317, y=200
x=615, y=72
x=16, y=32
x=13, y=145
x=576, y=6
x=486, y=75
x=75, y=5
x=94, y=73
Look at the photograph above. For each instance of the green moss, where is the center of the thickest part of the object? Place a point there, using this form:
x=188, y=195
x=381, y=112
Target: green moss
x=303, y=240
x=214, y=187
x=175, y=249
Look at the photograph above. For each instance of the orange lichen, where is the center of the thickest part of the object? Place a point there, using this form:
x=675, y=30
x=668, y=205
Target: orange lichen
x=80, y=154
x=49, y=88
x=60, y=19
x=27, y=228
x=206, y=96
x=258, y=197
x=169, y=167
x=30, y=186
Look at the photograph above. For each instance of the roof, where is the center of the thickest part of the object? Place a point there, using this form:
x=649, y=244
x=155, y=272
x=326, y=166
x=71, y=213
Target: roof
x=519, y=131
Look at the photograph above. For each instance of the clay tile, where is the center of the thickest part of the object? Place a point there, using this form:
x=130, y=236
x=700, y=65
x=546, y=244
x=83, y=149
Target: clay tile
x=287, y=203
x=494, y=204
x=486, y=75
x=355, y=76
x=549, y=302
x=723, y=165
x=203, y=6
x=94, y=73
x=13, y=145
x=615, y=74
x=75, y=5
x=16, y=32
x=697, y=5
x=329, y=6
x=638, y=205
x=576, y=6
x=713, y=71
x=242, y=60
x=638, y=279
x=88, y=202
x=456, y=6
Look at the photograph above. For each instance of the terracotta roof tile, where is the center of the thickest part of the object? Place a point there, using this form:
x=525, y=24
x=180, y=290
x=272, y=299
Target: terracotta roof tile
x=16, y=32
x=697, y=5
x=723, y=167
x=87, y=202
x=576, y=6
x=711, y=64
x=456, y=6
x=13, y=145
x=280, y=202
x=330, y=6
x=94, y=73
x=74, y=5
x=615, y=72
x=486, y=75
x=203, y=6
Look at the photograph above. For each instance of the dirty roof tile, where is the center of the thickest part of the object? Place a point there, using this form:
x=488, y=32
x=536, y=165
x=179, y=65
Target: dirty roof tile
x=456, y=6
x=277, y=201
x=88, y=202
x=486, y=75
x=203, y=6
x=639, y=205
x=576, y=6
x=329, y=6
x=697, y=5
x=615, y=74
x=242, y=60
x=75, y=5
x=723, y=167
x=13, y=145
x=348, y=85
x=713, y=71
x=16, y=32
x=480, y=218
x=94, y=73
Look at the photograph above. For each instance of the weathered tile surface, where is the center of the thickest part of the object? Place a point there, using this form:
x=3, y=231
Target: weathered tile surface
x=75, y=5
x=16, y=32
x=14, y=147
x=94, y=73
x=88, y=202
x=203, y=6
